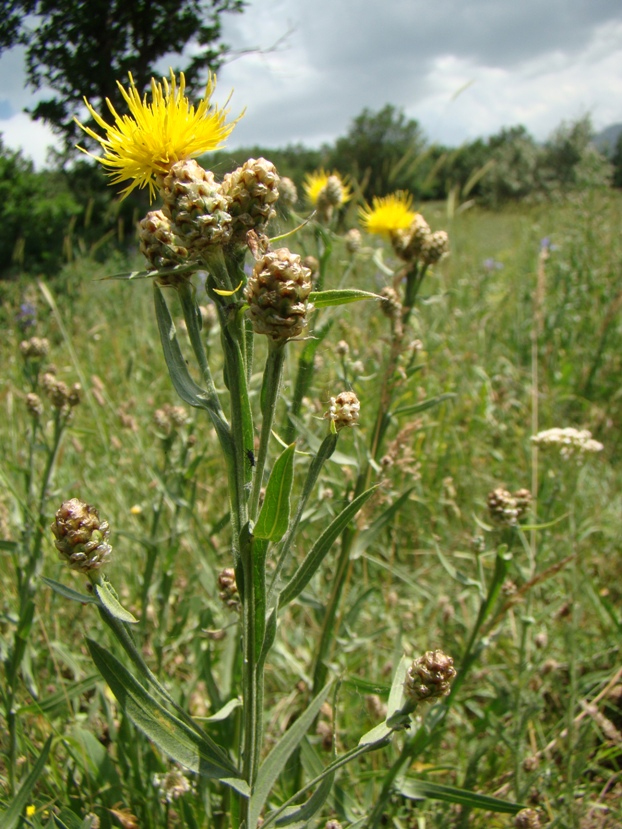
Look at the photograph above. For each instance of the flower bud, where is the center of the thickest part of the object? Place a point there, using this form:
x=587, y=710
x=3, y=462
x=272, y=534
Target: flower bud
x=35, y=348
x=80, y=536
x=409, y=246
x=251, y=191
x=228, y=589
x=343, y=410
x=502, y=507
x=196, y=206
x=390, y=306
x=158, y=242
x=429, y=677
x=288, y=194
x=434, y=247
x=34, y=404
x=353, y=239
x=277, y=294
x=527, y=819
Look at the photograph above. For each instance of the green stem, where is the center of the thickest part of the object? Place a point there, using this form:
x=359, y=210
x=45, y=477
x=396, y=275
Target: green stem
x=269, y=397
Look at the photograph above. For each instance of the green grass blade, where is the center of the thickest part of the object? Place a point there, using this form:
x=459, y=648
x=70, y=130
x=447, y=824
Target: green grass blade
x=415, y=408
x=423, y=789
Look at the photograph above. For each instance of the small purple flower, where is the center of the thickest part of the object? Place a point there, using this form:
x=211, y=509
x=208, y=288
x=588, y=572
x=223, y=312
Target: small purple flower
x=26, y=316
x=546, y=244
x=491, y=264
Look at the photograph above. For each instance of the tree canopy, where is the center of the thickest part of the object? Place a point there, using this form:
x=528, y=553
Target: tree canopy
x=80, y=48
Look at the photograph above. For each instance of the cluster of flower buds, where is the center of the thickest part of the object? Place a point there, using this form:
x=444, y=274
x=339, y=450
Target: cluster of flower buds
x=571, y=443
x=343, y=410
x=59, y=394
x=429, y=677
x=419, y=243
x=200, y=214
x=36, y=348
x=505, y=508
x=170, y=419
x=277, y=295
x=228, y=594
x=288, y=194
x=81, y=537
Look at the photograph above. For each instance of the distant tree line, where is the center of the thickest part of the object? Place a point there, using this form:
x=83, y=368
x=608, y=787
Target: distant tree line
x=48, y=216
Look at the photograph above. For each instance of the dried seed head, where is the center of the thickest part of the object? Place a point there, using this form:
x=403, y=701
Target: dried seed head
x=35, y=348
x=228, y=589
x=429, y=677
x=411, y=246
x=169, y=418
x=158, y=242
x=523, y=500
x=333, y=193
x=434, y=247
x=527, y=819
x=34, y=404
x=197, y=207
x=81, y=538
x=342, y=348
x=74, y=397
x=252, y=191
x=353, y=239
x=288, y=194
x=502, y=507
x=277, y=294
x=57, y=391
x=343, y=410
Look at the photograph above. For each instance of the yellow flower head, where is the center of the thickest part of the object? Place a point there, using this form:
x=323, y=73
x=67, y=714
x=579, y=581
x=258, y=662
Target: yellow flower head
x=142, y=146
x=315, y=185
x=388, y=213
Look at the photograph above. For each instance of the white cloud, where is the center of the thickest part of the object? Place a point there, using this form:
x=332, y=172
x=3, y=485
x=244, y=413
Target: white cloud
x=33, y=138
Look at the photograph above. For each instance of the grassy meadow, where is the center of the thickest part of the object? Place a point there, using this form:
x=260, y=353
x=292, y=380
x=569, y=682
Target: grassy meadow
x=505, y=341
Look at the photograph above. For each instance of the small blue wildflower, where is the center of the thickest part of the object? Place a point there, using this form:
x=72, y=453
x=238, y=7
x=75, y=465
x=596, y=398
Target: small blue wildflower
x=491, y=264
x=26, y=316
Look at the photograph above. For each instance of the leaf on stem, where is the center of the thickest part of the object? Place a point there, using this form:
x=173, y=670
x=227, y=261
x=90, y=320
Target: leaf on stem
x=109, y=600
x=273, y=519
x=423, y=789
x=341, y=296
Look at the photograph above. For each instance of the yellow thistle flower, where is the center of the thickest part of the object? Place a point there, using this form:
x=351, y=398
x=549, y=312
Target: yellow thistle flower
x=142, y=146
x=388, y=213
x=314, y=186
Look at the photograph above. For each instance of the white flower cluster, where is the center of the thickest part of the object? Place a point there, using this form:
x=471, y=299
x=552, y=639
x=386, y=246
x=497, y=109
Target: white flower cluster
x=569, y=441
x=171, y=785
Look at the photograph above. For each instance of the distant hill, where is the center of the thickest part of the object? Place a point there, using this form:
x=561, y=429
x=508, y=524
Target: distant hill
x=606, y=139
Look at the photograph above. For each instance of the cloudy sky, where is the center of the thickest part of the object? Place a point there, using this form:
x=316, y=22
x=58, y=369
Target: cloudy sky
x=462, y=68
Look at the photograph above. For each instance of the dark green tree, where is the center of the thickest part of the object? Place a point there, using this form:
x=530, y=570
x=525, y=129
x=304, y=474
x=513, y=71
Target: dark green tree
x=381, y=150
x=82, y=47
x=616, y=161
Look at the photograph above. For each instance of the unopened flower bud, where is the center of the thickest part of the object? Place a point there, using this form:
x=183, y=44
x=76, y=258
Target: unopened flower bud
x=429, y=677
x=527, y=819
x=81, y=537
x=410, y=246
x=314, y=266
x=353, y=239
x=343, y=410
x=277, y=294
x=196, y=206
x=34, y=404
x=390, y=306
x=288, y=194
x=58, y=394
x=158, y=243
x=228, y=589
x=434, y=247
x=502, y=507
x=334, y=191
x=252, y=191
x=74, y=398
x=35, y=348
x=523, y=501
x=342, y=348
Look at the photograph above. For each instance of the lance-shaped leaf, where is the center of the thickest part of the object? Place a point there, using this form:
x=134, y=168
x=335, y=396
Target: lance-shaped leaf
x=174, y=270
x=108, y=598
x=273, y=519
x=317, y=553
x=423, y=789
x=193, y=751
x=69, y=592
x=423, y=405
x=340, y=296
x=11, y=817
x=275, y=762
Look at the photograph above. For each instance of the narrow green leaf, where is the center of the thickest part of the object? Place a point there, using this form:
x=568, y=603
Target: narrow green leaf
x=274, y=763
x=178, y=270
x=12, y=815
x=300, y=815
x=189, y=391
x=274, y=516
x=318, y=552
x=415, y=408
x=342, y=296
x=69, y=592
x=224, y=712
x=109, y=600
x=366, y=537
x=421, y=789
x=197, y=753
x=57, y=703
